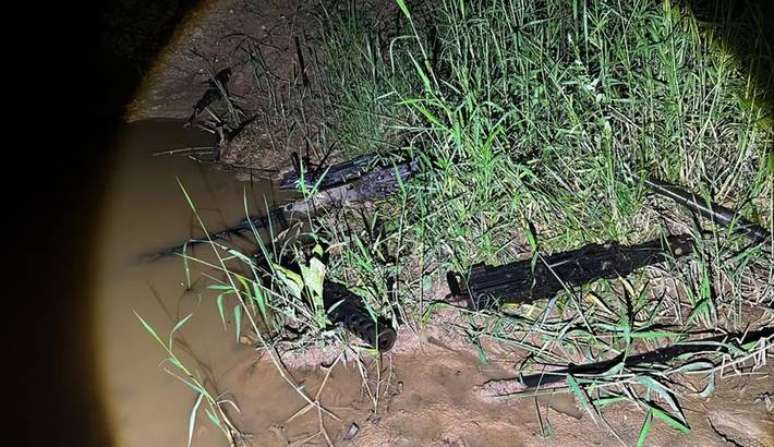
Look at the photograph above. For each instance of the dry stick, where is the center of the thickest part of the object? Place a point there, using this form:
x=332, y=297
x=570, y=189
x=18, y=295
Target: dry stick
x=327, y=374
x=317, y=396
x=182, y=150
x=233, y=430
x=273, y=355
x=230, y=436
x=304, y=441
x=319, y=410
x=364, y=376
x=322, y=428
x=378, y=380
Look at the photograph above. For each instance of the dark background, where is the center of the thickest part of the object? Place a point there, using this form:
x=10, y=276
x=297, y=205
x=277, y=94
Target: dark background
x=92, y=58
x=85, y=64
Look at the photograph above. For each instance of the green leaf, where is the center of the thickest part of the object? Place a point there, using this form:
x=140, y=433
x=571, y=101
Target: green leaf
x=416, y=104
x=430, y=309
x=581, y=395
x=422, y=75
x=653, y=334
x=314, y=275
x=176, y=363
x=656, y=386
x=211, y=416
x=192, y=418
x=176, y=328
x=149, y=329
x=292, y=280
x=645, y=430
x=670, y=420
x=318, y=251
x=700, y=367
x=404, y=8
x=219, y=302
x=187, y=267
x=238, y=320
x=702, y=308
x=259, y=298
x=608, y=400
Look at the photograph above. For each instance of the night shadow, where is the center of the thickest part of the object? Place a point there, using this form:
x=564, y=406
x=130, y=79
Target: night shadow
x=745, y=28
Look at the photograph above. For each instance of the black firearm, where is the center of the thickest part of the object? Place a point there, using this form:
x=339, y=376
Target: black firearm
x=347, y=309
x=487, y=287
x=344, y=308
x=363, y=178
x=274, y=219
x=340, y=173
x=660, y=356
x=714, y=212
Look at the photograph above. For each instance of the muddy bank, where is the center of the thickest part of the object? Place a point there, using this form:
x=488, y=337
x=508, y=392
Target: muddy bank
x=219, y=34
x=275, y=92
x=256, y=43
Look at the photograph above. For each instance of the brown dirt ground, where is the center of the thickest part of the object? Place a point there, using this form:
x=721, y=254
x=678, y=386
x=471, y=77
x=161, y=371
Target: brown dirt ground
x=428, y=397
x=428, y=381
x=277, y=95
x=215, y=36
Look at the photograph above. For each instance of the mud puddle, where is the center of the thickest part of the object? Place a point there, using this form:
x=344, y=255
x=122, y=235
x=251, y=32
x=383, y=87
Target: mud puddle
x=147, y=211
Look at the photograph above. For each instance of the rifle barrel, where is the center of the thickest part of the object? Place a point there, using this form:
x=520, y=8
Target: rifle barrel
x=712, y=211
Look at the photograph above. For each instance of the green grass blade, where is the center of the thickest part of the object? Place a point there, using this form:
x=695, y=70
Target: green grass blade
x=192, y=418
x=645, y=430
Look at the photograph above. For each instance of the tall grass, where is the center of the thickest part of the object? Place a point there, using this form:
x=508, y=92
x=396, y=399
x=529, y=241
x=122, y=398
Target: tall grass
x=535, y=123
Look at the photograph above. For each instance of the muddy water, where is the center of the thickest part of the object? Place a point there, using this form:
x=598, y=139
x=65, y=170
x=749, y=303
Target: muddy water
x=146, y=211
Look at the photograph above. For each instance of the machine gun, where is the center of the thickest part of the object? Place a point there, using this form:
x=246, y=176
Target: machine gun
x=342, y=306
x=275, y=217
x=363, y=178
x=347, y=309
x=712, y=211
x=487, y=287
x=340, y=173
x=556, y=378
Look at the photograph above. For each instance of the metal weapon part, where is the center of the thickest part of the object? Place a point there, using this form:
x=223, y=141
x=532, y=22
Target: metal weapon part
x=347, y=309
x=660, y=356
x=714, y=212
x=274, y=219
x=340, y=173
x=352, y=181
x=487, y=287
